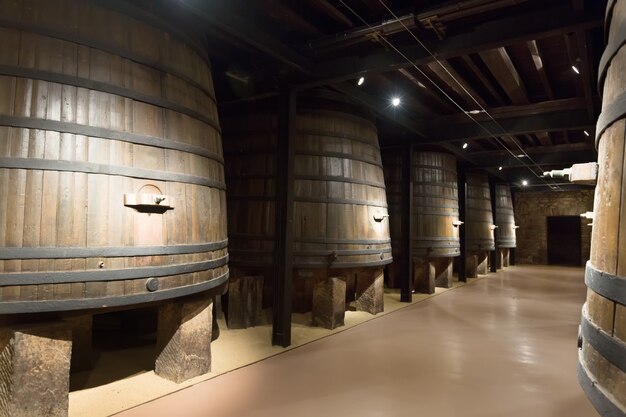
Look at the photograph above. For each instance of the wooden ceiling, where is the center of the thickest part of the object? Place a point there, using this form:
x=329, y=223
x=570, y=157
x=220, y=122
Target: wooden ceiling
x=495, y=74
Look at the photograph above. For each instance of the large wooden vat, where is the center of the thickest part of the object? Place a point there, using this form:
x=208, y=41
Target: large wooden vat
x=505, y=218
x=340, y=207
x=435, y=205
x=392, y=168
x=602, y=360
x=479, y=223
x=101, y=115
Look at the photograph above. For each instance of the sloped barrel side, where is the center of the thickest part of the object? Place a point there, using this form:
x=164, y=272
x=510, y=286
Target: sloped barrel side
x=111, y=172
x=435, y=205
x=505, y=217
x=602, y=358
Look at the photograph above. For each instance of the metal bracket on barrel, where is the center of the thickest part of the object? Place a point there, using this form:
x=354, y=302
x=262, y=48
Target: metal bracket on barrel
x=148, y=203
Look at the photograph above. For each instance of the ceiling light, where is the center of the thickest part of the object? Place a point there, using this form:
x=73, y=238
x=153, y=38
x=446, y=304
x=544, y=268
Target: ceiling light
x=575, y=68
x=465, y=145
x=524, y=183
x=520, y=155
x=361, y=81
x=586, y=133
x=499, y=168
x=474, y=111
x=395, y=101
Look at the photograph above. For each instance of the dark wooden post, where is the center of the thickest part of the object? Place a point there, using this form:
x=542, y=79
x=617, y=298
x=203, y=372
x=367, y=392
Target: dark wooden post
x=283, y=272
x=406, y=280
x=493, y=256
x=462, y=190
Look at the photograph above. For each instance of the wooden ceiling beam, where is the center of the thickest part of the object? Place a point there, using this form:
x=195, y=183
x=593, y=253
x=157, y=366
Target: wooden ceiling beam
x=330, y=10
x=422, y=88
x=483, y=79
x=446, y=73
x=499, y=63
x=544, y=138
x=538, y=60
x=536, y=24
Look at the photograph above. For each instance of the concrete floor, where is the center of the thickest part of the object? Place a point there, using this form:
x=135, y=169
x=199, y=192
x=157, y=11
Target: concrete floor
x=502, y=346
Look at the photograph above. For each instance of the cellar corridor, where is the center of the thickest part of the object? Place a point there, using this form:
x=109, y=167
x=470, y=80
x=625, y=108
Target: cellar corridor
x=501, y=346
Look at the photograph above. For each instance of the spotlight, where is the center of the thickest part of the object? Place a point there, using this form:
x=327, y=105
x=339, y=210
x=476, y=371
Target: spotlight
x=586, y=133
x=361, y=81
x=465, y=145
x=499, y=168
x=524, y=183
x=575, y=68
x=520, y=155
x=395, y=101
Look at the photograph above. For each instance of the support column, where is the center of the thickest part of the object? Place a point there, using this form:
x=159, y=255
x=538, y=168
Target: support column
x=471, y=266
x=35, y=370
x=184, y=339
x=406, y=280
x=370, y=290
x=329, y=303
x=512, y=256
x=283, y=279
x=493, y=255
x=482, y=263
x=462, y=191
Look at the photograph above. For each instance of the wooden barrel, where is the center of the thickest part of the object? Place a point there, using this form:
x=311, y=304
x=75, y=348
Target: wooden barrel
x=250, y=166
x=111, y=171
x=602, y=359
x=340, y=206
x=435, y=206
x=479, y=222
x=392, y=169
x=505, y=219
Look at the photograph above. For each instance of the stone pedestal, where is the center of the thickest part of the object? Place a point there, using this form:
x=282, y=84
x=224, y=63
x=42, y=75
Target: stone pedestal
x=35, y=370
x=184, y=340
x=443, y=272
x=424, y=276
x=82, y=347
x=370, y=290
x=471, y=266
x=505, y=257
x=245, y=302
x=483, y=263
x=329, y=305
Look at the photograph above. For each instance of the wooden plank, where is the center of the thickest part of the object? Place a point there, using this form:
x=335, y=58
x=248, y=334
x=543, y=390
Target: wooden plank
x=483, y=79
x=499, y=63
x=444, y=70
x=537, y=57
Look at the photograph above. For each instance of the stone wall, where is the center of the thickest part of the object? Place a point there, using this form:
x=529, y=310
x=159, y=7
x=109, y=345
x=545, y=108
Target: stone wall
x=532, y=209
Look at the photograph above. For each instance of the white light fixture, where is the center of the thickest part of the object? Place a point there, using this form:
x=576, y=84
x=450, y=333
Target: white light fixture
x=395, y=101
x=520, y=155
x=465, y=145
x=524, y=183
x=499, y=168
x=575, y=68
x=361, y=81
x=586, y=133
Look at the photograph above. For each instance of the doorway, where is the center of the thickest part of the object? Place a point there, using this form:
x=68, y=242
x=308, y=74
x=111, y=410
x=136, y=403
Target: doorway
x=564, y=240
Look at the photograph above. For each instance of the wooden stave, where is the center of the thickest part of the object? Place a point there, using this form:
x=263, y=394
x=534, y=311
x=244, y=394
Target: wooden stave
x=505, y=217
x=601, y=376
x=478, y=233
x=202, y=161
x=312, y=118
x=435, y=201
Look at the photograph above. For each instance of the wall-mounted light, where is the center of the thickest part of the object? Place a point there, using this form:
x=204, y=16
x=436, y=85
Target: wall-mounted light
x=361, y=81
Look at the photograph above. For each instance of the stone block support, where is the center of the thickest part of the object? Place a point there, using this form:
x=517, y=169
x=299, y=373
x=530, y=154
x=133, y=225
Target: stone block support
x=184, y=339
x=245, y=302
x=35, y=370
x=370, y=290
x=329, y=303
